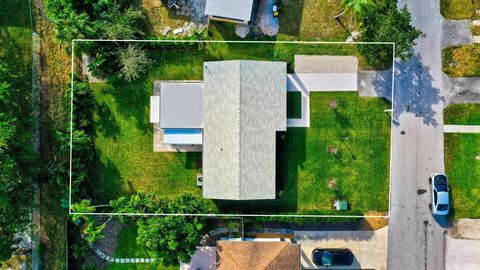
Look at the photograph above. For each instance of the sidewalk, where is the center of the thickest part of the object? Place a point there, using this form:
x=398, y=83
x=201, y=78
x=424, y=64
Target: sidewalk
x=461, y=128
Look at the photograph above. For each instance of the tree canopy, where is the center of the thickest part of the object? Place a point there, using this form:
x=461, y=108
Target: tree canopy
x=386, y=23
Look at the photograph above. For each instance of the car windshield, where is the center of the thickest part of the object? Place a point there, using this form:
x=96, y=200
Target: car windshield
x=442, y=207
x=441, y=182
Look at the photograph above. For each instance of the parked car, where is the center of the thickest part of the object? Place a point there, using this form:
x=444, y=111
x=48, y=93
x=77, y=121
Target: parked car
x=440, y=201
x=332, y=256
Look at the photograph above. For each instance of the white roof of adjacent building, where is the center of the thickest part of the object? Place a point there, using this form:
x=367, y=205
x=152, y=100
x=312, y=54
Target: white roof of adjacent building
x=231, y=9
x=244, y=107
x=181, y=104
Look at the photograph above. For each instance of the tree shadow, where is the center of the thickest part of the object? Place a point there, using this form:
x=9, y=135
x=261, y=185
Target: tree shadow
x=106, y=181
x=107, y=123
x=415, y=92
x=291, y=18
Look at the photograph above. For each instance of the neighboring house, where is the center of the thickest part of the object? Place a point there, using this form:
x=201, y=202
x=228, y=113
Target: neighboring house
x=235, y=114
x=236, y=11
x=258, y=255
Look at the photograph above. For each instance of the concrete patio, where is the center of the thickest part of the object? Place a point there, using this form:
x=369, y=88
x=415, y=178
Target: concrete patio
x=369, y=247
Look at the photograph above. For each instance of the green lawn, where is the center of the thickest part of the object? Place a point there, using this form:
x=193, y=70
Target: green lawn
x=459, y=9
x=360, y=131
x=294, y=105
x=462, y=161
x=462, y=61
x=127, y=248
x=126, y=162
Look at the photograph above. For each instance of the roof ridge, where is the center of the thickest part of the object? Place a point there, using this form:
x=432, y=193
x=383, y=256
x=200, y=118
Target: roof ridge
x=278, y=254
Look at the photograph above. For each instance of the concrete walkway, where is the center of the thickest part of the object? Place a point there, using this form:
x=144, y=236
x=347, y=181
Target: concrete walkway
x=369, y=247
x=375, y=83
x=461, y=128
x=462, y=254
x=456, y=32
x=461, y=90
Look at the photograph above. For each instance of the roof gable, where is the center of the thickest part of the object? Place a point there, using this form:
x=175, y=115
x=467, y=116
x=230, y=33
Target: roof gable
x=244, y=106
x=254, y=255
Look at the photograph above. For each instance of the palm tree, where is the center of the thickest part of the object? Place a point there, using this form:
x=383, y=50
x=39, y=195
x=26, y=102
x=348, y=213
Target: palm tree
x=81, y=208
x=358, y=8
x=94, y=232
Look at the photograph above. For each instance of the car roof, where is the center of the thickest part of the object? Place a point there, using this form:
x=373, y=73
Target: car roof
x=443, y=197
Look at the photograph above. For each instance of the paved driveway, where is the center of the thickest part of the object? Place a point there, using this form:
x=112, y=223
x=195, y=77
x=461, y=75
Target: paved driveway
x=368, y=247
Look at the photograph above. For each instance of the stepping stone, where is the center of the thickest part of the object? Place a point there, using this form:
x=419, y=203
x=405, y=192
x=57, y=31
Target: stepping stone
x=117, y=260
x=476, y=39
x=166, y=31
x=137, y=260
x=112, y=259
x=177, y=31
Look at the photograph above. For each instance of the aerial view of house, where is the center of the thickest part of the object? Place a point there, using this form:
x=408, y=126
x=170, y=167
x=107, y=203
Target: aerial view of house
x=239, y=134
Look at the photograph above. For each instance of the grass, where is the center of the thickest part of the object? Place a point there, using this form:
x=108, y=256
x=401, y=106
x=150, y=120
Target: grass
x=158, y=17
x=462, y=61
x=127, y=247
x=459, y=9
x=462, y=161
x=313, y=20
x=462, y=114
x=126, y=162
x=294, y=105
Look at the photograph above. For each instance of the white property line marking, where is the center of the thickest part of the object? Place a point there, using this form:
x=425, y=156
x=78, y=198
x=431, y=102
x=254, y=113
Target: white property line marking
x=227, y=41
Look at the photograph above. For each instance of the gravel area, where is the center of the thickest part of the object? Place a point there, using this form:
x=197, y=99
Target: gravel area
x=109, y=243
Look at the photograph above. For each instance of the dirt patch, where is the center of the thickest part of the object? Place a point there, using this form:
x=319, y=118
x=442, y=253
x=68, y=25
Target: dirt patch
x=373, y=223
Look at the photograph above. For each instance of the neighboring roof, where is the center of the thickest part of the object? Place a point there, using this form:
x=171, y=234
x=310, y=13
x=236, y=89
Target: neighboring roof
x=231, y=9
x=181, y=104
x=244, y=106
x=253, y=255
x=204, y=258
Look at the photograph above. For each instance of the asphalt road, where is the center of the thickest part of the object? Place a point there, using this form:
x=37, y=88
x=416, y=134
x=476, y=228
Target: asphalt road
x=416, y=238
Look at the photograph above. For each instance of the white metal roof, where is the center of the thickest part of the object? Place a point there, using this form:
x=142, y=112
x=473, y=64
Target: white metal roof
x=154, y=109
x=231, y=9
x=181, y=104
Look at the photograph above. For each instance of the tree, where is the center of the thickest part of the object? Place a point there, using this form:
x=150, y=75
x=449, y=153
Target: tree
x=388, y=24
x=15, y=164
x=115, y=24
x=132, y=62
x=172, y=238
x=357, y=7
x=93, y=232
x=80, y=208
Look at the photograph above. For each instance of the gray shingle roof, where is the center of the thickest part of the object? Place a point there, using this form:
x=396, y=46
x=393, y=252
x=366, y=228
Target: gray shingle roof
x=244, y=106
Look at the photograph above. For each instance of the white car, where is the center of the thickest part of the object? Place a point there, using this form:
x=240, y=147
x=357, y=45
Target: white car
x=440, y=201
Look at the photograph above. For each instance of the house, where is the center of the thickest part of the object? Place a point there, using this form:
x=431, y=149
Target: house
x=258, y=255
x=235, y=114
x=236, y=11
